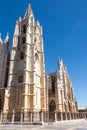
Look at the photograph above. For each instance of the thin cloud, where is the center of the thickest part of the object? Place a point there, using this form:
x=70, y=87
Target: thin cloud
x=73, y=34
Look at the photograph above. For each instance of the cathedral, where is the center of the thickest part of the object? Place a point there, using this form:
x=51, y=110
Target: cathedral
x=26, y=88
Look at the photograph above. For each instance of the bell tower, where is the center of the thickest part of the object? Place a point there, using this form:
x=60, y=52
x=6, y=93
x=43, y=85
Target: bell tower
x=26, y=81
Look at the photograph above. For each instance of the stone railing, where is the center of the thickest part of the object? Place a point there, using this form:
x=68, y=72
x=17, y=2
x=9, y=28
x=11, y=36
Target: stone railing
x=39, y=117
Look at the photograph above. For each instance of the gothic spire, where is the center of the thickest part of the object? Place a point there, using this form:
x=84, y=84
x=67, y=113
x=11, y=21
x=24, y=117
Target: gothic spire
x=16, y=31
x=60, y=61
x=1, y=39
x=28, y=11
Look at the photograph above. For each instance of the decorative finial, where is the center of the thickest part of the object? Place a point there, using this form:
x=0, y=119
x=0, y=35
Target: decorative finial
x=16, y=22
x=38, y=22
x=7, y=38
x=59, y=61
x=29, y=5
x=7, y=34
x=20, y=19
x=1, y=39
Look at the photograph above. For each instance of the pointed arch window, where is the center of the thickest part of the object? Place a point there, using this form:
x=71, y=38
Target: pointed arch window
x=36, y=57
x=23, y=40
x=24, y=29
x=21, y=55
x=35, y=39
x=20, y=78
x=52, y=106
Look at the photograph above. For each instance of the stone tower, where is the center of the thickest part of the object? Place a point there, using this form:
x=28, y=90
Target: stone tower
x=65, y=90
x=60, y=92
x=4, y=55
x=26, y=81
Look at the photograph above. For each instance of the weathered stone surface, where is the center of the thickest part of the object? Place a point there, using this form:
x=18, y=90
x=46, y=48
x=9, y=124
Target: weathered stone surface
x=29, y=89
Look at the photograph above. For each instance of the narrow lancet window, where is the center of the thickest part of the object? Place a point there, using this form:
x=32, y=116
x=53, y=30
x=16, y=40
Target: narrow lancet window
x=24, y=29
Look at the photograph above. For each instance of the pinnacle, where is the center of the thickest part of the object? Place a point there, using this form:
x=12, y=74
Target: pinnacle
x=28, y=11
x=29, y=7
x=1, y=39
x=7, y=38
x=60, y=60
x=20, y=19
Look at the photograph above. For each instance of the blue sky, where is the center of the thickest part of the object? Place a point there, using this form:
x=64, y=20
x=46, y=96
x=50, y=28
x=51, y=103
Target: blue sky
x=64, y=25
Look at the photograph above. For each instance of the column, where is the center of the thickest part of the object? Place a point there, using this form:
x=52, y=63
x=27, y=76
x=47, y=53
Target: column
x=77, y=115
x=81, y=115
x=13, y=116
x=73, y=116
x=1, y=117
x=66, y=115
x=31, y=117
x=55, y=117
x=21, y=117
x=42, y=118
x=70, y=116
x=85, y=116
x=61, y=116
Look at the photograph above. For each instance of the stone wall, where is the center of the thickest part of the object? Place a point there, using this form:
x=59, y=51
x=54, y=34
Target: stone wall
x=2, y=95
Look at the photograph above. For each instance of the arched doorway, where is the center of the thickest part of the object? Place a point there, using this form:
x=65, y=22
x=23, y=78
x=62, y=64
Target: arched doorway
x=1, y=104
x=52, y=108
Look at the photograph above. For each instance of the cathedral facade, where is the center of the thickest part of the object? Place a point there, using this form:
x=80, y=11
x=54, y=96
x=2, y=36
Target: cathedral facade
x=29, y=88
